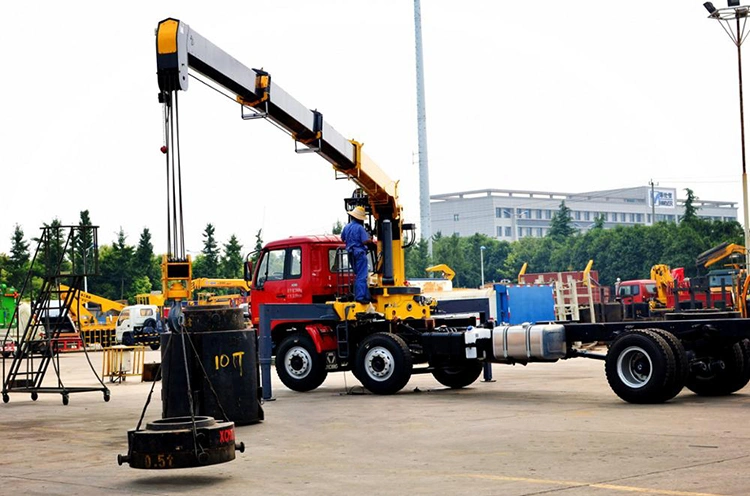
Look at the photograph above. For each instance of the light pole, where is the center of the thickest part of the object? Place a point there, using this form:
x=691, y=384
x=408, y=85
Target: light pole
x=737, y=33
x=481, y=261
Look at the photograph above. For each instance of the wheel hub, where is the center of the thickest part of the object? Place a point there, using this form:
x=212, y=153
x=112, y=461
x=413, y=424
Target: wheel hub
x=298, y=362
x=379, y=363
x=634, y=367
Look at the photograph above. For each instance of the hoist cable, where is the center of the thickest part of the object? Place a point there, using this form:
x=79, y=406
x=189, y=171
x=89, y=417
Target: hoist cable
x=174, y=177
x=167, y=145
x=179, y=181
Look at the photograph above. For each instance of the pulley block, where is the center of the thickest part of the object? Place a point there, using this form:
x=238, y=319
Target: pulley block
x=171, y=443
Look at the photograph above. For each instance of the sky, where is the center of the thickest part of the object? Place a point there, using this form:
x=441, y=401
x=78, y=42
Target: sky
x=547, y=96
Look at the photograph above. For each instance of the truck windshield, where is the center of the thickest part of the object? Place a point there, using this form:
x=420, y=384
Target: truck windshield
x=650, y=288
x=124, y=315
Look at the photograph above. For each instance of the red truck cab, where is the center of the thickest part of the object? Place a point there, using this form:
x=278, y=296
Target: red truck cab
x=636, y=291
x=302, y=269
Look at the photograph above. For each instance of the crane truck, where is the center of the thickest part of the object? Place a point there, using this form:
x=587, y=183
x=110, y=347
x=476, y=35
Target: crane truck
x=402, y=334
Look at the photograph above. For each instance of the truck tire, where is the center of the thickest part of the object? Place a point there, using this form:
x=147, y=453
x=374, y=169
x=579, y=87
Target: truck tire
x=298, y=364
x=721, y=382
x=383, y=363
x=640, y=367
x=149, y=329
x=128, y=339
x=458, y=376
x=682, y=366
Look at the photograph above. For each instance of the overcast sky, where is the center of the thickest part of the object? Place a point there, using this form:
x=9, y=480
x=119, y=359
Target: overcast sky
x=543, y=95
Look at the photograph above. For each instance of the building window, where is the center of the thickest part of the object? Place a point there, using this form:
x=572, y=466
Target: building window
x=632, y=217
x=539, y=214
x=577, y=215
x=639, y=218
x=508, y=232
x=499, y=231
x=524, y=213
x=622, y=217
x=520, y=232
x=548, y=214
x=506, y=213
x=648, y=218
x=455, y=217
x=586, y=215
x=498, y=212
x=529, y=231
x=539, y=232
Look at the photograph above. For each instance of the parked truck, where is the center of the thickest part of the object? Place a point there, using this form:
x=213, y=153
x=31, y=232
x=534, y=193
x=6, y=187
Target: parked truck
x=401, y=334
x=139, y=324
x=668, y=289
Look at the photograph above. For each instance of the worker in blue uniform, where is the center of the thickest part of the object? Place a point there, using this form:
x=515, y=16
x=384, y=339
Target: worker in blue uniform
x=357, y=240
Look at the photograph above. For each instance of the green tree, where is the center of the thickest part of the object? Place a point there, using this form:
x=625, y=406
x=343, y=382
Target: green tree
x=337, y=227
x=53, y=260
x=18, y=262
x=561, y=225
x=145, y=263
x=598, y=222
x=84, y=251
x=691, y=211
x=141, y=284
x=258, y=246
x=117, y=270
x=210, y=252
x=416, y=259
x=232, y=261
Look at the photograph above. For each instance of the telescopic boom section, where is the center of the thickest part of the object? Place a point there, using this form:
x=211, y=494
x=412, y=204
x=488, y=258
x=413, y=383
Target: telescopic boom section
x=180, y=48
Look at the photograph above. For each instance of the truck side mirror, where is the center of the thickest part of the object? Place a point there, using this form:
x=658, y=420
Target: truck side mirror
x=248, y=271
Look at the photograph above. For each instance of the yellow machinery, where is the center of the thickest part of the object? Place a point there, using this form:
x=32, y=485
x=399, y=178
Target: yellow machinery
x=150, y=299
x=208, y=298
x=719, y=253
x=662, y=275
x=447, y=272
x=98, y=326
x=176, y=277
x=205, y=282
x=180, y=48
x=522, y=272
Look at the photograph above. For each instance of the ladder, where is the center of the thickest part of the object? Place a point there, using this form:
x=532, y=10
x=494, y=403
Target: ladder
x=64, y=255
x=344, y=276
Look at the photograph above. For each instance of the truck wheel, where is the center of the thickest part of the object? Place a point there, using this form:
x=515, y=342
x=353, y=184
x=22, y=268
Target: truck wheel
x=640, y=367
x=721, y=381
x=298, y=364
x=458, y=376
x=383, y=363
x=682, y=366
x=127, y=339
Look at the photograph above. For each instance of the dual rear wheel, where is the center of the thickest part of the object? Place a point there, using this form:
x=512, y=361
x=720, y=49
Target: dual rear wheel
x=651, y=366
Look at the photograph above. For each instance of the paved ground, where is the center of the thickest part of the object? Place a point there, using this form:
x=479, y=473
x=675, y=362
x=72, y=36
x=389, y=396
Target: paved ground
x=542, y=429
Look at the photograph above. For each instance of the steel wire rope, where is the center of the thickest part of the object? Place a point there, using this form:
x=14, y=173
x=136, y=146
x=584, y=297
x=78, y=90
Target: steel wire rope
x=173, y=203
x=205, y=376
x=181, y=330
x=179, y=178
x=167, y=144
x=153, y=384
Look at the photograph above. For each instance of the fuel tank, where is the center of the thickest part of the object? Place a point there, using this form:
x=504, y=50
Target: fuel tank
x=529, y=343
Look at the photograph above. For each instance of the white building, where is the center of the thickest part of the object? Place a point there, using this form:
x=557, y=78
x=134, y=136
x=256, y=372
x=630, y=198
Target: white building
x=513, y=214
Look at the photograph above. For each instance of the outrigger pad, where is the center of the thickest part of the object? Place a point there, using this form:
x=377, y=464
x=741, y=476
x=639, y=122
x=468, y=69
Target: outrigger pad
x=169, y=443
